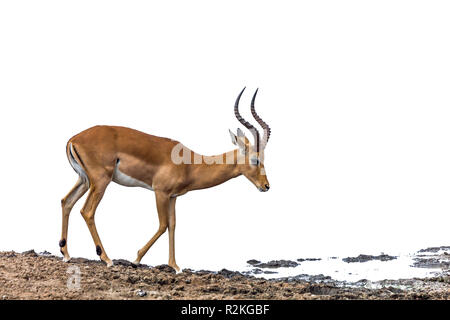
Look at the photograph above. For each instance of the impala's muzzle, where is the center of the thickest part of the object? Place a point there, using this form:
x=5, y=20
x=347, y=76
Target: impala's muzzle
x=264, y=189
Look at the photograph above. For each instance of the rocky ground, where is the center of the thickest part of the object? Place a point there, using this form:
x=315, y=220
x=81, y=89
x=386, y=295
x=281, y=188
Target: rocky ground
x=30, y=275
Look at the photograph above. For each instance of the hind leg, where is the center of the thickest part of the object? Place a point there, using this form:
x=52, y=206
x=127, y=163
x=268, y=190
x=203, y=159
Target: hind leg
x=67, y=204
x=96, y=193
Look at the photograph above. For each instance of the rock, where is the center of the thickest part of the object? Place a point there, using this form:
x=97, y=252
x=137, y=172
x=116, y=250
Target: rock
x=256, y=271
x=318, y=278
x=323, y=290
x=212, y=288
x=187, y=271
x=229, y=274
x=123, y=262
x=365, y=258
x=253, y=262
x=141, y=293
x=308, y=259
x=435, y=249
x=30, y=253
x=278, y=264
x=162, y=281
x=133, y=279
x=84, y=260
x=8, y=254
x=203, y=272
x=269, y=272
x=430, y=263
x=45, y=253
x=166, y=268
x=252, y=272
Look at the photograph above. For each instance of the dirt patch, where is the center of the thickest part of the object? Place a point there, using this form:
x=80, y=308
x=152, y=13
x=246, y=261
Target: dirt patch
x=43, y=276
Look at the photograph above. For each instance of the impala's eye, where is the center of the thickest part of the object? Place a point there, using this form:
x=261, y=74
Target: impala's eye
x=254, y=161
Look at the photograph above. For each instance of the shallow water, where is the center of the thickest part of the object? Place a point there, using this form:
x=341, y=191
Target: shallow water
x=375, y=270
x=400, y=268
x=337, y=269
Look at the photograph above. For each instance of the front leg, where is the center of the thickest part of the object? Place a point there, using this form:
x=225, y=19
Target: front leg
x=172, y=222
x=162, y=206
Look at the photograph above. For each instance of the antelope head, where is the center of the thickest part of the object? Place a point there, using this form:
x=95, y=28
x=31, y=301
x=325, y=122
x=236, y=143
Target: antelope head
x=251, y=156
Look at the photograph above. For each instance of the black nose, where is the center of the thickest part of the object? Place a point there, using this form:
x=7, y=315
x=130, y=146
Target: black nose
x=267, y=187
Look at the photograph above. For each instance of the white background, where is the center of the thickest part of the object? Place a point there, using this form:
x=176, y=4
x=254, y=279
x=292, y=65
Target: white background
x=356, y=93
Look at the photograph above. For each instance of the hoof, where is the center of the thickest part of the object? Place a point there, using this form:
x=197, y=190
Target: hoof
x=66, y=259
x=177, y=268
x=136, y=262
x=109, y=264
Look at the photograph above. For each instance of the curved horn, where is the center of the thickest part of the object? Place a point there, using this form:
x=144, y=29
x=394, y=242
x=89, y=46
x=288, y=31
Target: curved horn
x=264, y=125
x=245, y=123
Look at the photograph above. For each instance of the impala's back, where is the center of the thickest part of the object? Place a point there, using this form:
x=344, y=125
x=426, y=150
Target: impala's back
x=127, y=156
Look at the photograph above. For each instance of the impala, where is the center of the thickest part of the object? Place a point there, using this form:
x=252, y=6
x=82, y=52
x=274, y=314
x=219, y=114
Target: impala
x=102, y=154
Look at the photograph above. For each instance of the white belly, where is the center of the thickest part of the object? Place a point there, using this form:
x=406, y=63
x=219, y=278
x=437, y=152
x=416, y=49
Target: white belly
x=125, y=180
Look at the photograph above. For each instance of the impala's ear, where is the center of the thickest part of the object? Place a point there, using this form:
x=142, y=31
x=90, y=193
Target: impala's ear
x=242, y=141
x=233, y=138
x=239, y=141
x=240, y=133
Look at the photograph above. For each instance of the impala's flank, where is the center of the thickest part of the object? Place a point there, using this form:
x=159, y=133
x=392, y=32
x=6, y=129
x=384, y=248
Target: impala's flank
x=102, y=154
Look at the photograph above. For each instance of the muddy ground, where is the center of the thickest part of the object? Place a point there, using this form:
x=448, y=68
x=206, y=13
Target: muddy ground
x=30, y=275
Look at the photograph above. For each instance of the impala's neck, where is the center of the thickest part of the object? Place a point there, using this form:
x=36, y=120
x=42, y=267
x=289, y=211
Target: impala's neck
x=214, y=170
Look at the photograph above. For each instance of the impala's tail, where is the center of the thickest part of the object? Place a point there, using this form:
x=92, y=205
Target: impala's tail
x=76, y=163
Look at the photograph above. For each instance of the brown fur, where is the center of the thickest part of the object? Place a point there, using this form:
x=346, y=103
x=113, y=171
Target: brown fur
x=147, y=158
